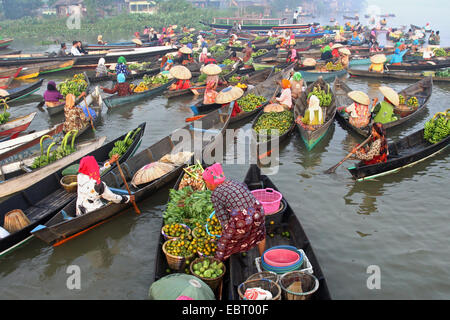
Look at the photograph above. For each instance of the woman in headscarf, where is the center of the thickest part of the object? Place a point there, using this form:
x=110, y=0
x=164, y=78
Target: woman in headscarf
x=384, y=111
x=378, y=151
x=285, y=98
x=248, y=59
x=344, y=57
x=52, y=95
x=291, y=42
x=74, y=117
x=212, y=83
x=397, y=57
x=296, y=85
x=101, y=70
x=355, y=40
x=358, y=111
x=91, y=190
x=326, y=54
x=314, y=114
x=100, y=40
x=240, y=214
x=339, y=37
x=203, y=56
x=292, y=57
x=200, y=41
x=122, y=88
x=122, y=67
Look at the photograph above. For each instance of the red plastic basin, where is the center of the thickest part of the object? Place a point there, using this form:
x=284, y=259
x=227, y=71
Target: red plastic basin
x=281, y=257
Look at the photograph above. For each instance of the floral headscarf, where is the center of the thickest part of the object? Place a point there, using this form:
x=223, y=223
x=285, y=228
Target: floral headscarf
x=89, y=167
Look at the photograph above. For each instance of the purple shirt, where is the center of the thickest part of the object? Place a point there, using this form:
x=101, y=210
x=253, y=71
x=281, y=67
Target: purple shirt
x=52, y=96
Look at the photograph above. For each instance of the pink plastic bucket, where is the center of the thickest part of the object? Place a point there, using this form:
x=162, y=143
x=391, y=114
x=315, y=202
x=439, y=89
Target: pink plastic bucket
x=281, y=257
x=269, y=198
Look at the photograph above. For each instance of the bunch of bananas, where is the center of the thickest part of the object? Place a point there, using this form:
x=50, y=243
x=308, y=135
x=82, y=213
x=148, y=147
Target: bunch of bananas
x=401, y=99
x=250, y=102
x=4, y=117
x=121, y=146
x=141, y=88
x=413, y=102
x=325, y=98
x=76, y=86
x=260, y=52
x=334, y=67
x=438, y=127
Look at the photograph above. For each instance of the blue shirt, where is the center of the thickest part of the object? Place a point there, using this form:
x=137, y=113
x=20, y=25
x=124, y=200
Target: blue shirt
x=398, y=57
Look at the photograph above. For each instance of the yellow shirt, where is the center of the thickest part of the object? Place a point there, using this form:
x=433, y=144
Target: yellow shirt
x=376, y=67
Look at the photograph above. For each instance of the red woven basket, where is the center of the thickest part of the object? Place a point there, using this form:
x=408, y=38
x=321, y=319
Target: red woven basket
x=269, y=198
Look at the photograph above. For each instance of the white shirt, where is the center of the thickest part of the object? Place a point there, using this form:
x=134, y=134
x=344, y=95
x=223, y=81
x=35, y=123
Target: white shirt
x=428, y=54
x=295, y=15
x=74, y=51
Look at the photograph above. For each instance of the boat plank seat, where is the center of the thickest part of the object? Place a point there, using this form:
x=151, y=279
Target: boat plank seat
x=52, y=202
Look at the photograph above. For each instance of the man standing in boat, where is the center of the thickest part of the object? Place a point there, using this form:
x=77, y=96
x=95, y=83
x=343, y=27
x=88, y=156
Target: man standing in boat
x=294, y=20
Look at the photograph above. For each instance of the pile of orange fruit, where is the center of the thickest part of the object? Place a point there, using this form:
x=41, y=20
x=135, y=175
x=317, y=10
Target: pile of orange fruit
x=175, y=230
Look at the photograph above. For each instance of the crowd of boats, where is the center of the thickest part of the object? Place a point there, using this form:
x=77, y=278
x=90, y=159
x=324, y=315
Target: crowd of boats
x=50, y=206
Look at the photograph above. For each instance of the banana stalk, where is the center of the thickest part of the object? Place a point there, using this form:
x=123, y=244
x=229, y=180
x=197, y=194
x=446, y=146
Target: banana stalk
x=42, y=141
x=49, y=149
x=73, y=138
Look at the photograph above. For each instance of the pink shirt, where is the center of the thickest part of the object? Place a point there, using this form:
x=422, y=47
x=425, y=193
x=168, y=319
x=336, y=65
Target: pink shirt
x=285, y=97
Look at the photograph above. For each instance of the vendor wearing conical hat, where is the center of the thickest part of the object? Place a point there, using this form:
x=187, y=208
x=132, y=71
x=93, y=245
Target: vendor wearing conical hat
x=384, y=111
x=185, y=55
x=344, y=57
x=378, y=61
x=238, y=211
x=358, y=111
x=183, y=75
x=230, y=95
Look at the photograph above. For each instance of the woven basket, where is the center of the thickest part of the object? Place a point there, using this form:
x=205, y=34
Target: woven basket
x=167, y=237
x=175, y=262
x=404, y=110
x=213, y=283
x=66, y=183
x=265, y=284
x=298, y=285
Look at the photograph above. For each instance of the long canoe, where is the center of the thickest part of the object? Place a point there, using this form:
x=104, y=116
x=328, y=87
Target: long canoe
x=137, y=54
x=5, y=82
x=29, y=72
x=42, y=200
x=312, y=137
x=15, y=126
x=421, y=89
x=23, y=91
x=403, y=153
x=435, y=64
x=312, y=76
x=263, y=27
x=55, y=66
x=114, y=101
x=132, y=76
x=66, y=225
x=396, y=75
x=5, y=43
x=8, y=72
x=21, y=147
x=239, y=266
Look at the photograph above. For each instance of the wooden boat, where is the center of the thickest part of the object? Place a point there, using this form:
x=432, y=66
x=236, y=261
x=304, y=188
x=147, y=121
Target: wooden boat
x=312, y=76
x=18, y=175
x=66, y=225
x=350, y=18
x=114, y=101
x=5, y=43
x=263, y=27
x=43, y=199
x=421, y=89
x=15, y=126
x=22, y=146
x=240, y=267
x=29, y=72
x=111, y=56
x=50, y=67
x=437, y=63
x=54, y=109
x=133, y=76
x=9, y=72
x=403, y=153
x=5, y=82
x=363, y=60
x=312, y=137
x=23, y=91
x=396, y=75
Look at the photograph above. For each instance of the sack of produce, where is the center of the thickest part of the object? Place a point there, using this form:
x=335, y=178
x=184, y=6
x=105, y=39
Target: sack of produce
x=274, y=108
x=151, y=172
x=177, y=285
x=178, y=159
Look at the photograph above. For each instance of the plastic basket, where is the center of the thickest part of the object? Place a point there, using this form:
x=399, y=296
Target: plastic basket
x=298, y=285
x=269, y=198
x=264, y=275
x=305, y=267
x=265, y=284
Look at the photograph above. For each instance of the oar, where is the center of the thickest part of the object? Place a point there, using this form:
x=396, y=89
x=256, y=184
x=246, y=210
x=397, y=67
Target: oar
x=194, y=90
x=128, y=188
x=195, y=118
x=89, y=113
x=333, y=169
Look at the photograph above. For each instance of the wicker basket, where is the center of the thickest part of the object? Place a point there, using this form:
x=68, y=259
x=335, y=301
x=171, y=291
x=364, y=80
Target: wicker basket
x=403, y=110
x=213, y=283
x=66, y=183
x=265, y=284
x=167, y=237
x=175, y=262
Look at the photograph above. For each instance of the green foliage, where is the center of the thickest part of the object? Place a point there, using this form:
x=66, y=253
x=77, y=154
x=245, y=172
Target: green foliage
x=16, y=9
x=437, y=128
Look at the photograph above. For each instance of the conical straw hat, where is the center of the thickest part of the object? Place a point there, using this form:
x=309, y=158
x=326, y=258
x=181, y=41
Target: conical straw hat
x=337, y=46
x=390, y=94
x=212, y=69
x=185, y=50
x=309, y=62
x=359, y=97
x=180, y=72
x=345, y=51
x=137, y=41
x=378, y=58
x=229, y=94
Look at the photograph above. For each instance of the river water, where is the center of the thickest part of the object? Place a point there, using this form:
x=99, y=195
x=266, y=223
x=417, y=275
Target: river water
x=399, y=223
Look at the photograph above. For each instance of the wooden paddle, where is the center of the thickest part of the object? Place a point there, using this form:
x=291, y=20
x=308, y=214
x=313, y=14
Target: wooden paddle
x=126, y=185
x=333, y=169
x=89, y=113
x=195, y=118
